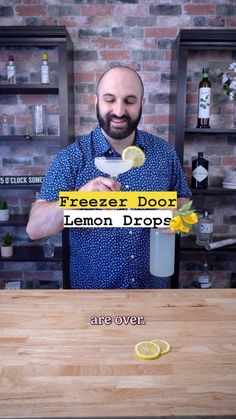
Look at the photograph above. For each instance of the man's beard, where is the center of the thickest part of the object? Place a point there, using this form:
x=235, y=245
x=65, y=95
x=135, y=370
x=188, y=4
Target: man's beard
x=118, y=133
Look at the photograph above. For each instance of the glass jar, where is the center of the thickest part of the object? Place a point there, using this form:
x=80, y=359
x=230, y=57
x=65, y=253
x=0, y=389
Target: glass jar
x=162, y=253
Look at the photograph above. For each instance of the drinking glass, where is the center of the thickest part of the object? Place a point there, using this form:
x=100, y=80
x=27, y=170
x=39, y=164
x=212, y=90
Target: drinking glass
x=38, y=115
x=48, y=249
x=113, y=166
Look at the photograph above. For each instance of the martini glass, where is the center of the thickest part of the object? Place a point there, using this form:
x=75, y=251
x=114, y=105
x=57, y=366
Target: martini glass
x=113, y=166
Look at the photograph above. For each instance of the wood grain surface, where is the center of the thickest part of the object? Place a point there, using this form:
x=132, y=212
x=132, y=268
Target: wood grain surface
x=54, y=363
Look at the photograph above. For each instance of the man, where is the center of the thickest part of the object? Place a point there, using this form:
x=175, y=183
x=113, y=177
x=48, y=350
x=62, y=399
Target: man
x=109, y=257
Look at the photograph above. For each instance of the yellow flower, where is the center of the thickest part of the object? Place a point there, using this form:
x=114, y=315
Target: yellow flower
x=175, y=223
x=184, y=219
x=184, y=228
x=190, y=219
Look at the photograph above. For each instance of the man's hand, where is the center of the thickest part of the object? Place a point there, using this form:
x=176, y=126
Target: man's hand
x=101, y=184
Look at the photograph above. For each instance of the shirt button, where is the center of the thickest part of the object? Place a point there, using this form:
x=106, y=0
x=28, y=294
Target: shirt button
x=132, y=256
x=133, y=279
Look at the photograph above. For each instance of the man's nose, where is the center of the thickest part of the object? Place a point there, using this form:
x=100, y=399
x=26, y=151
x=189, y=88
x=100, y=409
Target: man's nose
x=119, y=108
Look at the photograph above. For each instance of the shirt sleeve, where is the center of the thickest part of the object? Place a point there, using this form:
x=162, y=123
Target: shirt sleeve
x=178, y=180
x=60, y=177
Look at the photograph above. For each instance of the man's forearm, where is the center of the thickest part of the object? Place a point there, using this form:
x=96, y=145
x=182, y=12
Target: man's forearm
x=46, y=219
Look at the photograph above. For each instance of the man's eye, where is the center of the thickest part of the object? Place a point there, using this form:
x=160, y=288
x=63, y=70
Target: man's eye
x=130, y=101
x=109, y=100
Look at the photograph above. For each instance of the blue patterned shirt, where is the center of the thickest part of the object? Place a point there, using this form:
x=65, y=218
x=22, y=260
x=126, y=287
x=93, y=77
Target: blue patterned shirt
x=113, y=257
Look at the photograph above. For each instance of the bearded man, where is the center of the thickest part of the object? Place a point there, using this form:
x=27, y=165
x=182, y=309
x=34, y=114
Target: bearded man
x=109, y=257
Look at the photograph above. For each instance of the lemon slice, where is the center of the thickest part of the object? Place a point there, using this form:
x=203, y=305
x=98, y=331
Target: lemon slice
x=135, y=154
x=164, y=346
x=147, y=350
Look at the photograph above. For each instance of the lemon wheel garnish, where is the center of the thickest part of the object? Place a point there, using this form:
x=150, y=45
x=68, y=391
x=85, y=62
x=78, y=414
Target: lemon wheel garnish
x=135, y=154
x=147, y=350
x=164, y=346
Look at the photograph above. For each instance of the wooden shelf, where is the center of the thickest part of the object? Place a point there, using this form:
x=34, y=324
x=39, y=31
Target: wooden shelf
x=32, y=254
x=34, y=186
x=16, y=220
x=210, y=131
x=190, y=44
x=29, y=137
x=218, y=190
x=40, y=38
x=31, y=88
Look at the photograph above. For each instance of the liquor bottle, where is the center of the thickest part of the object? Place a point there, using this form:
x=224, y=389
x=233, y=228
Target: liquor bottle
x=205, y=230
x=204, y=279
x=45, y=70
x=204, y=97
x=162, y=253
x=199, y=172
x=11, y=72
x=5, y=125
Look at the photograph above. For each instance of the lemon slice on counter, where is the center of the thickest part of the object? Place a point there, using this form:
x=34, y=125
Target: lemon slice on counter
x=147, y=350
x=135, y=154
x=164, y=346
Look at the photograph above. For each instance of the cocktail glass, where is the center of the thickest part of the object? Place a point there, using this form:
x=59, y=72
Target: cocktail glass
x=113, y=166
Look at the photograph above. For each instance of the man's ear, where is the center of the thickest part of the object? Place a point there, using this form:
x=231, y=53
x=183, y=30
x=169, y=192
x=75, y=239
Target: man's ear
x=143, y=101
x=95, y=99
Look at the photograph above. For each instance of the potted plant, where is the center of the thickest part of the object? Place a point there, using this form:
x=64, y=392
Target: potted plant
x=4, y=210
x=6, y=245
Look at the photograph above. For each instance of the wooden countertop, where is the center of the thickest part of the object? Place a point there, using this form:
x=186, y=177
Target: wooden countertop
x=54, y=363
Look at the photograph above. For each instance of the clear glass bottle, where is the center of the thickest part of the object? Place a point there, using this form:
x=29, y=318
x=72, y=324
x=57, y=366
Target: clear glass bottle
x=5, y=125
x=205, y=230
x=204, y=97
x=162, y=253
x=11, y=72
x=204, y=278
x=45, y=70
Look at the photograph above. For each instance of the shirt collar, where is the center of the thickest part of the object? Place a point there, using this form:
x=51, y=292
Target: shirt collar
x=139, y=139
x=102, y=146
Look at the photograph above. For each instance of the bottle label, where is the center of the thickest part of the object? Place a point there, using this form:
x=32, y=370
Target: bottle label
x=206, y=228
x=207, y=285
x=200, y=173
x=5, y=127
x=10, y=72
x=204, y=102
x=44, y=74
x=204, y=278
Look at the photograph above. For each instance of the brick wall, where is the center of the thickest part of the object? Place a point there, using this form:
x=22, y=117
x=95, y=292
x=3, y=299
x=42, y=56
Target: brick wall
x=138, y=33
x=134, y=32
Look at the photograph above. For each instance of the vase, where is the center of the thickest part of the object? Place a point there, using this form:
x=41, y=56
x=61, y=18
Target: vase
x=4, y=214
x=6, y=251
